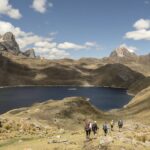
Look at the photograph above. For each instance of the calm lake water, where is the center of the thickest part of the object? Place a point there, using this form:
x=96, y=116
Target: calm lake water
x=103, y=98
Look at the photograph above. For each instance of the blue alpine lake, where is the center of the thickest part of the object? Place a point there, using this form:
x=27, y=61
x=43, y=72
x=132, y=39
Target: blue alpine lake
x=102, y=98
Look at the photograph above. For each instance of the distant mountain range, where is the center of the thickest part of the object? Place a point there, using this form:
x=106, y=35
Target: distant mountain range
x=122, y=68
x=122, y=55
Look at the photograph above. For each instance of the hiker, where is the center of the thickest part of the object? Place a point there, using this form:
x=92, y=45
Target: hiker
x=112, y=125
x=105, y=128
x=0, y=124
x=120, y=124
x=94, y=128
x=88, y=127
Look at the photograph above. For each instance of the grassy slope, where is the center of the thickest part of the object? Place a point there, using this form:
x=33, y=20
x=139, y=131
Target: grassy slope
x=139, y=85
x=139, y=107
x=68, y=116
x=56, y=113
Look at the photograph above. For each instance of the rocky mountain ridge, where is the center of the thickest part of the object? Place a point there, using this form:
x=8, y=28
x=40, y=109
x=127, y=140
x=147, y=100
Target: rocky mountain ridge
x=8, y=44
x=122, y=52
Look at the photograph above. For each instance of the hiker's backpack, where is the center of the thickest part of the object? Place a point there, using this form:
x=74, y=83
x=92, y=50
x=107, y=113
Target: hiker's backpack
x=94, y=126
x=87, y=126
x=120, y=123
x=105, y=127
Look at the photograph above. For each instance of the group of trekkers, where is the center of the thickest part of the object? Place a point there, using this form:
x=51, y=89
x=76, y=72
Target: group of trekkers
x=93, y=127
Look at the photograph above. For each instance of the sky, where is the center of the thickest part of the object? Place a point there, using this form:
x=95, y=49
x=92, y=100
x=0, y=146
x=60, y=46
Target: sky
x=77, y=28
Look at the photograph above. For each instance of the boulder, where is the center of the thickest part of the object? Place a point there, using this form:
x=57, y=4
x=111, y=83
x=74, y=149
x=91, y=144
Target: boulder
x=9, y=43
x=2, y=47
x=105, y=140
x=30, y=53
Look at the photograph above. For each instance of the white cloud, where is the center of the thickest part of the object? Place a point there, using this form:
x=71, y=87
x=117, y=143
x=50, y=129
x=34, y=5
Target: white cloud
x=7, y=9
x=131, y=49
x=28, y=40
x=147, y=2
x=44, y=46
x=69, y=45
x=91, y=44
x=59, y=54
x=53, y=53
x=138, y=35
x=24, y=39
x=41, y=5
x=142, y=24
x=141, y=32
x=6, y=26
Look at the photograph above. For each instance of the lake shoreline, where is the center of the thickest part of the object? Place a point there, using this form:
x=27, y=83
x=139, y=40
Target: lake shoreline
x=85, y=86
x=72, y=86
x=69, y=87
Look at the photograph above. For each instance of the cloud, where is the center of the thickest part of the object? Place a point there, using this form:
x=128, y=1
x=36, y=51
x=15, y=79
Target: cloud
x=147, y=2
x=131, y=49
x=23, y=38
x=142, y=24
x=59, y=54
x=93, y=45
x=69, y=45
x=6, y=26
x=49, y=50
x=41, y=5
x=31, y=39
x=44, y=46
x=53, y=53
x=7, y=9
x=138, y=35
x=141, y=32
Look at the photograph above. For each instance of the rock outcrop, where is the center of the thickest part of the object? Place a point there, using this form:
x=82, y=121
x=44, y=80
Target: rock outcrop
x=30, y=53
x=2, y=48
x=8, y=43
x=122, y=52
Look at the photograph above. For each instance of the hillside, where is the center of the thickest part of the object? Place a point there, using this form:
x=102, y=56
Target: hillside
x=139, y=106
x=139, y=85
x=56, y=113
x=60, y=125
x=19, y=71
x=115, y=75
